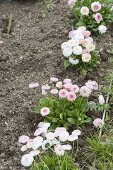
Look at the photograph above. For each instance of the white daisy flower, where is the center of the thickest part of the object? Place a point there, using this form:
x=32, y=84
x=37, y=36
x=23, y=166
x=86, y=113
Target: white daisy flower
x=73, y=42
x=85, y=91
x=37, y=142
x=102, y=29
x=67, y=52
x=64, y=136
x=27, y=160
x=76, y=132
x=67, y=147
x=50, y=136
x=46, y=144
x=23, y=148
x=72, y=138
x=86, y=57
x=34, y=153
x=84, y=10
x=59, y=150
x=23, y=139
x=73, y=61
x=38, y=131
x=77, y=50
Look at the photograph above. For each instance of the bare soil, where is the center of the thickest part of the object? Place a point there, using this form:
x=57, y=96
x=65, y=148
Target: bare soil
x=31, y=53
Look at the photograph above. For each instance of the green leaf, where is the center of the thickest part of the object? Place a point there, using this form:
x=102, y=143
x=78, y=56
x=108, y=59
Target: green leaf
x=61, y=116
x=87, y=120
x=37, y=109
x=66, y=125
x=52, y=127
x=54, y=120
x=80, y=23
x=57, y=168
x=66, y=64
x=72, y=113
x=71, y=120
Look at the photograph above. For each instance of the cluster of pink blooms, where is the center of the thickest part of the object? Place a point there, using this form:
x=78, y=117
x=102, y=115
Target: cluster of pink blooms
x=79, y=47
x=65, y=89
x=68, y=90
x=95, y=7
x=59, y=141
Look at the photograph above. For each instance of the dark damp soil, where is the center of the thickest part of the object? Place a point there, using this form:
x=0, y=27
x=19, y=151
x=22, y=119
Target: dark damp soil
x=31, y=53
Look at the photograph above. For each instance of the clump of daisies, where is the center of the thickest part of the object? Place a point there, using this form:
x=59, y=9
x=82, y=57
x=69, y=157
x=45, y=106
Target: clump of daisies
x=44, y=141
x=65, y=103
x=79, y=50
x=95, y=15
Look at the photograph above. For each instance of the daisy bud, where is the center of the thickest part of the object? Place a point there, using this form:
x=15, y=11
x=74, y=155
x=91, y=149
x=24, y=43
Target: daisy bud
x=33, y=85
x=23, y=148
x=53, y=79
x=98, y=122
x=54, y=91
x=101, y=100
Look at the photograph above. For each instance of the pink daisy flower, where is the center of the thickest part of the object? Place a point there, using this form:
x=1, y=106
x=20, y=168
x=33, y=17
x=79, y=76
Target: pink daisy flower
x=29, y=143
x=98, y=122
x=71, y=96
x=54, y=91
x=38, y=131
x=23, y=148
x=45, y=111
x=53, y=79
x=33, y=85
x=75, y=88
x=86, y=33
x=63, y=93
x=67, y=81
x=95, y=6
x=98, y=17
x=46, y=87
x=59, y=84
x=23, y=139
x=68, y=86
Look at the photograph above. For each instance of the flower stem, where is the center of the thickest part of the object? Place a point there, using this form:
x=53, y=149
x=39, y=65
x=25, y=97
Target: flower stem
x=104, y=113
x=43, y=162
